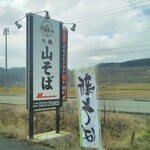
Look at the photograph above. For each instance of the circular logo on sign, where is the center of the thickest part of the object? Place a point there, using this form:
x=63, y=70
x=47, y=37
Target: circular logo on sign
x=47, y=28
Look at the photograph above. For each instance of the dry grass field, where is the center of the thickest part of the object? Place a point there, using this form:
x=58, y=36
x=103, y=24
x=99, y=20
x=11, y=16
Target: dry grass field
x=12, y=91
x=124, y=90
x=119, y=131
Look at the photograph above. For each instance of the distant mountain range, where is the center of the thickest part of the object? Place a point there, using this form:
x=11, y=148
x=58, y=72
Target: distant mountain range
x=17, y=77
x=135, y=71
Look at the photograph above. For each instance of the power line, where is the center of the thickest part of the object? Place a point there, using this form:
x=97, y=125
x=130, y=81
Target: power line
x=90, y=12
x=118, y=48
x=100, y=13
x=107, y=9
x=96, y=17
x=135, y=51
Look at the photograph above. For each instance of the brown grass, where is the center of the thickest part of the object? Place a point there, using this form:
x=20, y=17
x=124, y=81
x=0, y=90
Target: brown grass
x=13, y=121
x=12, y=91
x=117, y=129
x=123, y=90
x=136, y=91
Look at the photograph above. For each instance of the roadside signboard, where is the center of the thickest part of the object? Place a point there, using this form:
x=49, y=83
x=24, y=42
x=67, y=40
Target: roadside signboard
x=44, y=61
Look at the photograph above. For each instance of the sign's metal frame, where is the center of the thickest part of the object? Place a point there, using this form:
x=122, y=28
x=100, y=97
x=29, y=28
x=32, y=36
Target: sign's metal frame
x=30, y=99
x=30, y=69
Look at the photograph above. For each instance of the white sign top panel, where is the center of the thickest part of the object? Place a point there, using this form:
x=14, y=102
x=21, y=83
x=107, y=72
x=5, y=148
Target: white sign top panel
x=46, y=58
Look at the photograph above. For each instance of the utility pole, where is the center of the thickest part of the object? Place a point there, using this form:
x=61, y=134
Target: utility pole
x=5, y=33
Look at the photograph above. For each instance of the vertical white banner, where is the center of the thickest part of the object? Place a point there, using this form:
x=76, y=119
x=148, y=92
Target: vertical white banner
x=85, y=82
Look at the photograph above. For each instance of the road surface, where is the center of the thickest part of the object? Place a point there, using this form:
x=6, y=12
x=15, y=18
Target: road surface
x=131, y=106
x=11, y=144
x=13, y=100
x=120, y=105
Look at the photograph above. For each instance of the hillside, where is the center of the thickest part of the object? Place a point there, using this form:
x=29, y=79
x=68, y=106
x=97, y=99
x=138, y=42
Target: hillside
x=124, y=74
x=135, y=71
x=16, y=77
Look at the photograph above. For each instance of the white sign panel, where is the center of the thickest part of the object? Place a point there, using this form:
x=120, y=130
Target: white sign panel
x=85, y=82
x=46, y=61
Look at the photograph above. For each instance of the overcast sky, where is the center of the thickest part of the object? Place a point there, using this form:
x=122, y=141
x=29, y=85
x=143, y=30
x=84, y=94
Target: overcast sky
x=106, y=31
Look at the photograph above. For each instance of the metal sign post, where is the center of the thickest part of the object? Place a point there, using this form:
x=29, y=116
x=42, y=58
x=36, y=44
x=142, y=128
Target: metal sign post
x=57, y=119
x=31, y=129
